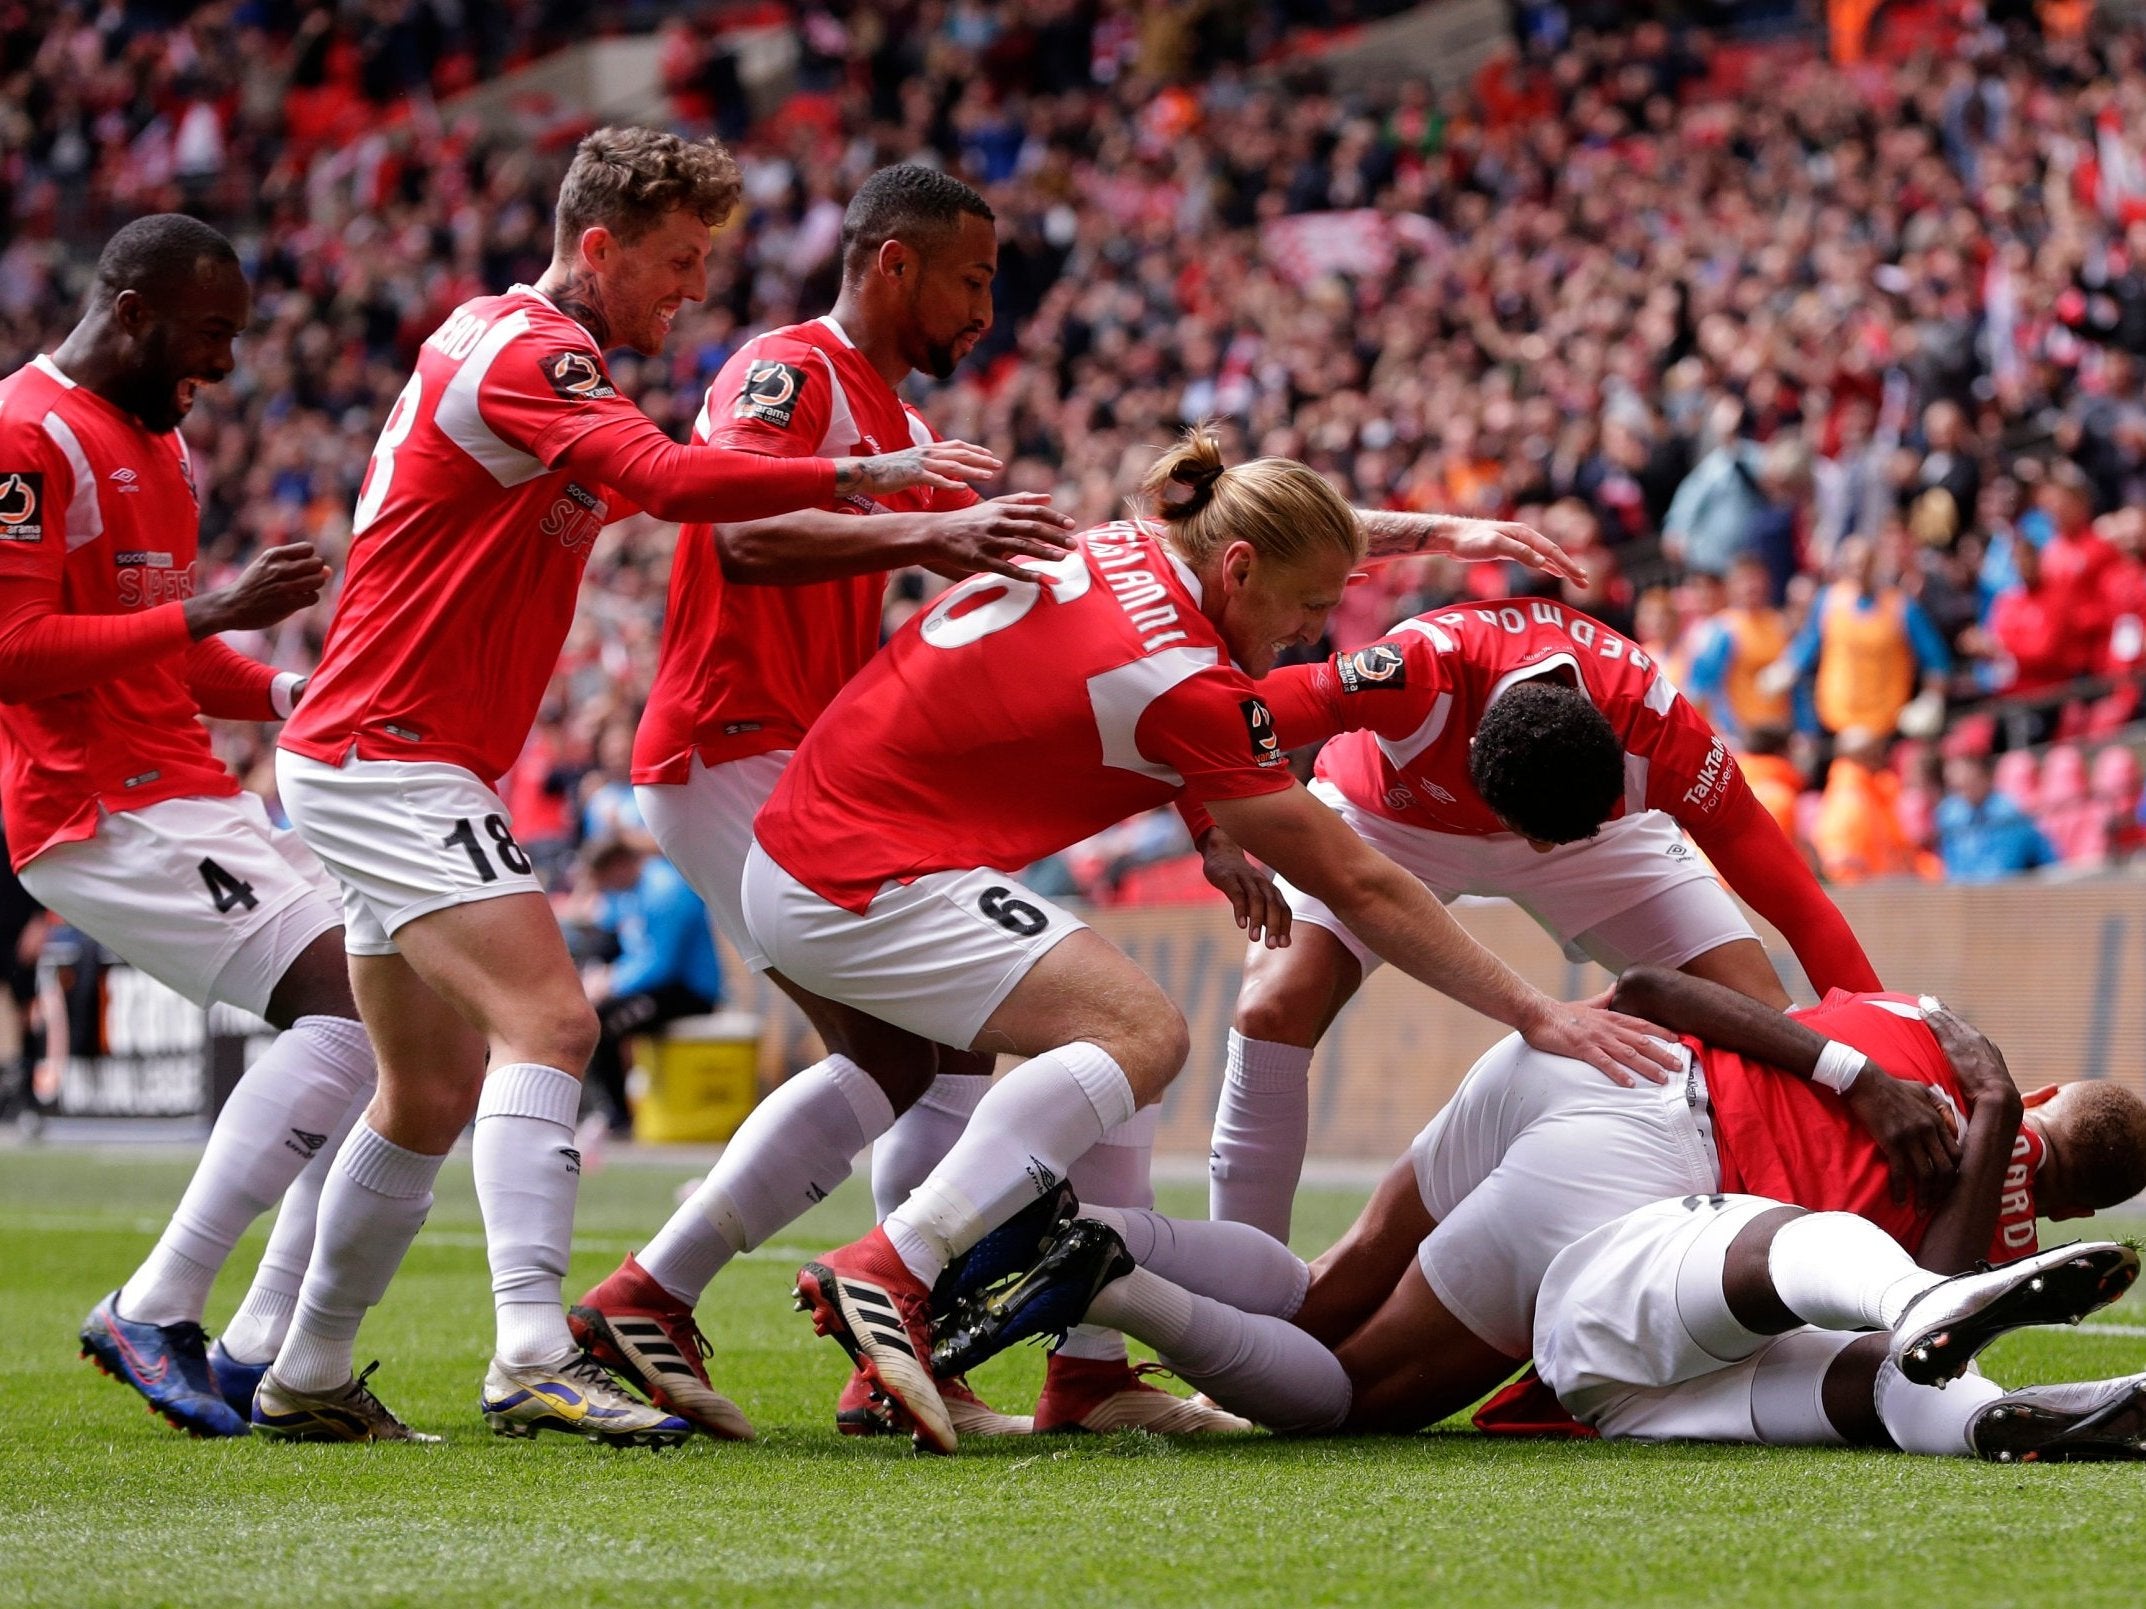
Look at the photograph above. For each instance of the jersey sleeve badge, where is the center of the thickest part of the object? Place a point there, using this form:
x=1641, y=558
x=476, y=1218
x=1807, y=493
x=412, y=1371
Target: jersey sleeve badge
x=22, y=506
x=576, y=376
x=1380, y=665
x=770, y=392
x=1259, y=724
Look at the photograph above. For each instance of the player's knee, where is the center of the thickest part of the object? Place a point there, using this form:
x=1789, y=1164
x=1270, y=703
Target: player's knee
x=1151, y=1050
x=564, y=1036
x=1288, y=996
x=900, y=1063
x=316, y=984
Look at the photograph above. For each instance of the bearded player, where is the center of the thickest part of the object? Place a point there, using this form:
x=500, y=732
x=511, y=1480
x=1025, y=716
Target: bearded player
x=1522, y=750
x=498, y=466
x=119, y=815
x=761, y=630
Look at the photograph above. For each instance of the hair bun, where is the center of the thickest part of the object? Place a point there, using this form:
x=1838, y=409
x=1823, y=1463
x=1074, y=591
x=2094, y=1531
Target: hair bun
x=1190, y=485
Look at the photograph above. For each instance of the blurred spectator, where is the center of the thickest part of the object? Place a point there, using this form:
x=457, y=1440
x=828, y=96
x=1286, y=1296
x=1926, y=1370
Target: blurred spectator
x=1870, y=648
x=1712, y=521
x=1982, y=835
x=1772, y=775
x=1858, y=833
x=2076, y=564
x=2028, y=637
x=666, y=966
x=1734, y=647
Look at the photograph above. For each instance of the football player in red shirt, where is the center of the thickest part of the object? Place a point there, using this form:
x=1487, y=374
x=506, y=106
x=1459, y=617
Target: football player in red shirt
x=498, y=466
x=1703, y=1316
x=121, y=819
x=760, y=632
x=1007, y=721
x=1526, y=750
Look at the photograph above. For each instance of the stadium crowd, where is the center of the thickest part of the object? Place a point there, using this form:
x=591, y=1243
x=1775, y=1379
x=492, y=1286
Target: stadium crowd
x=1834, y=387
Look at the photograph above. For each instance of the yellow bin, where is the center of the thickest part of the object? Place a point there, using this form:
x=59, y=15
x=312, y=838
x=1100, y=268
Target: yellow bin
x=702, y=1079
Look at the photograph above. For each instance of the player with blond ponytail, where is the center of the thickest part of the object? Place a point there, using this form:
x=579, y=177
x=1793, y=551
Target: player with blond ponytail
x=1008, y=721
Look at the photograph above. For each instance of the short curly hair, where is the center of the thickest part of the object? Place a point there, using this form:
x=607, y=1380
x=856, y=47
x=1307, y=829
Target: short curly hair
x=904, y=202
x=1546, y=760
x=628, y=180
x=2104, y=1144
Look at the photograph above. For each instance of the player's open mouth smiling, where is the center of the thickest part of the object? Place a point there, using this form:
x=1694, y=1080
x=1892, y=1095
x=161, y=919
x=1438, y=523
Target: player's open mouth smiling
x=184, y=392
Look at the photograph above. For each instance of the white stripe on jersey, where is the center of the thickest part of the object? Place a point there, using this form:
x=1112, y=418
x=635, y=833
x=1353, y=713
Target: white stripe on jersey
x=1121, y=696
x=461, y=421
x=85, y=515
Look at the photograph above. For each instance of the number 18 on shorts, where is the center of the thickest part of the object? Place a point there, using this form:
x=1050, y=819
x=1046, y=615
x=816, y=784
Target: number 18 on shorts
x=403, y=839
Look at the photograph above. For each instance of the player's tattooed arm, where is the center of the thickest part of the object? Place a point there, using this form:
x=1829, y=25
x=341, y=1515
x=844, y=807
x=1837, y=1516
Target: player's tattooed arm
x=575, y=296
x=1394, y=534
x=1912, y=1128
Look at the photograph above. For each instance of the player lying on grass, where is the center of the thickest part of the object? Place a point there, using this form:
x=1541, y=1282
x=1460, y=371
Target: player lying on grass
x=1528, y=751
x=121, y=818
x=1430, y=1246
x=1008, y=721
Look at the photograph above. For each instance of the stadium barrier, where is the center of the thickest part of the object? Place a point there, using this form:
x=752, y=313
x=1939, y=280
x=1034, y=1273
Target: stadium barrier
x=2054, y=972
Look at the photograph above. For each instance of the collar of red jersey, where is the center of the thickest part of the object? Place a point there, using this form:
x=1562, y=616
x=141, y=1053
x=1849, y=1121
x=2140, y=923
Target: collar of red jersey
x=43, y=361
x=840, y=333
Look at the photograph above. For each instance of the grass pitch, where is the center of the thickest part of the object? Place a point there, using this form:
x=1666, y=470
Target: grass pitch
x=102, y=1504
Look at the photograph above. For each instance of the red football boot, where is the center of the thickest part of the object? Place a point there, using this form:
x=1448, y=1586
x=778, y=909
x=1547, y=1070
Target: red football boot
x=864, y=1297
x=1105, y=1394
x=648, y=1338
x=858, y=1414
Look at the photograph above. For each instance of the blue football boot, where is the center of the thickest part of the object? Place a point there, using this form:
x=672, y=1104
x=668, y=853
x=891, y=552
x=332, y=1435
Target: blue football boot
x=1048, y=1300
x=235, y=1382
x=167, y=1363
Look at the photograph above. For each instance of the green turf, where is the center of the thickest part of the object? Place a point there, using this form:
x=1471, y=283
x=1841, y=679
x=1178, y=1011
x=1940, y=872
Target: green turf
x=101, y=1504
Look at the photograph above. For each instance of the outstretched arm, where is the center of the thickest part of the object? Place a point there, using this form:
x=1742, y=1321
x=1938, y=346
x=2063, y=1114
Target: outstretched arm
x=1394, y=535
x=817, y=544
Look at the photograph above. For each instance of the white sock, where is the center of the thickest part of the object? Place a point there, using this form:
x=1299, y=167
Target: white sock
x=1026, y=1132
x=528, y=1174
x=1262, y=1126
x=1233, y=1263
x=794, y=1149
x=1788, y=1389
x=1840, y=1272
x=276, y=1121
x=256, y=1330
x=1932, y=1420
x=1268, y=1370
x=903, y=1157
x=1114, y=1172
x=375, y=1201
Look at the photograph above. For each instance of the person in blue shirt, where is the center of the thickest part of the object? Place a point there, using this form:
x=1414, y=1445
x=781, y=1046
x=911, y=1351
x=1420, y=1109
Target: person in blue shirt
x=1982, y=835
x=666, y=968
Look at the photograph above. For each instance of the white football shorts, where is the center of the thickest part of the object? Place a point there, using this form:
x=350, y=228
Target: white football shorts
x=935, y=956
x=1634, y=894
x=404, y=838
x=1612, y=1341
x=1532, y=1152
x=704, y=826
x=206, y=895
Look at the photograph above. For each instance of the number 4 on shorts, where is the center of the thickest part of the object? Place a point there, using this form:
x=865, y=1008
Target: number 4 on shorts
x=227, y=891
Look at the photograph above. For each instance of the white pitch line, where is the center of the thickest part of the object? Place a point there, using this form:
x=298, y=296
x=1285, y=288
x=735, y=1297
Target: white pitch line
x=456, y=1239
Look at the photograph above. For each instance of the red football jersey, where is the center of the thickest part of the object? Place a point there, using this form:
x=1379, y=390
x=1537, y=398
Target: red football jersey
x=1417, y=695
x=1795, y=1141
x=1006, y=722
x=746, y=669
x=97, y=517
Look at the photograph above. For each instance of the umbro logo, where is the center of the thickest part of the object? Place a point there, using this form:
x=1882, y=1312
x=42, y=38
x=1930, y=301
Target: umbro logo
x=573, y=1158
x=125, y=479
x=304, y=1144
x=814, y=1193
x=1040, y=1174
